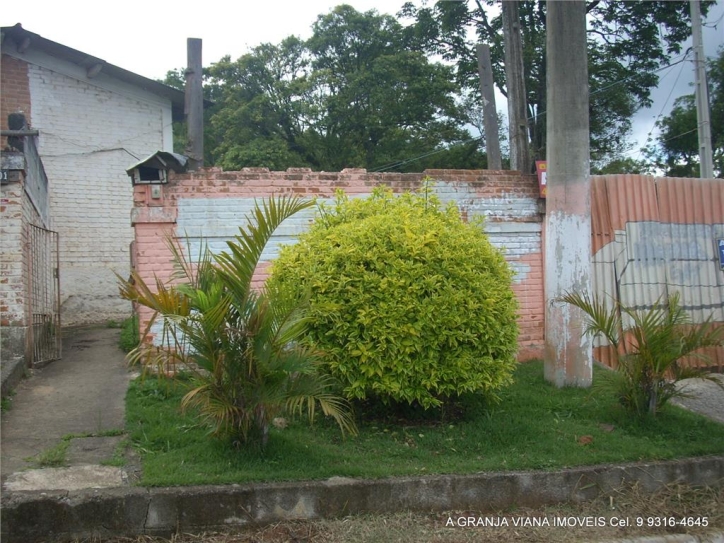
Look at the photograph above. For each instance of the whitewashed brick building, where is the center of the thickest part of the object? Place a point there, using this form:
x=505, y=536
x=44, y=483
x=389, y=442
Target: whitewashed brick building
x=94, y=120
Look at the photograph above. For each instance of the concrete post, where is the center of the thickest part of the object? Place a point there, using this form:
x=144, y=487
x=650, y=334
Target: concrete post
x=568, y=359
x=490, y=113
x=706, y=170
x=194, y=104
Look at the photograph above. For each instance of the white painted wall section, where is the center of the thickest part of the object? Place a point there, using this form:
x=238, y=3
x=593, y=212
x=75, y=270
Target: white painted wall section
x=91, y=130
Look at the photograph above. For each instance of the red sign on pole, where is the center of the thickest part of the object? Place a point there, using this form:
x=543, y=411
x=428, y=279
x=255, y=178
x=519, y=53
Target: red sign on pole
x=540, y=167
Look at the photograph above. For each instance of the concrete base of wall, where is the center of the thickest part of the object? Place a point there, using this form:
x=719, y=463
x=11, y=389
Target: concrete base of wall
x=12, y=356
x=62, y=515
x=83, y=310
x=11, y=372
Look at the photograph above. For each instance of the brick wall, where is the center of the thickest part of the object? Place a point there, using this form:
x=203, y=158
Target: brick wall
x=16, y=213
x=211, y=204
x=15, y=95
x=91, y=130
x=13, y=241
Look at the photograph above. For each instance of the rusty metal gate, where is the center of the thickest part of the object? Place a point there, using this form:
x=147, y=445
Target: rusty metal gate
x=44, y=295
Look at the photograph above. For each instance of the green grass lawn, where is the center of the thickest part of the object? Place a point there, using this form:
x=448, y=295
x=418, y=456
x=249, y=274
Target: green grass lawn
x=534, y=426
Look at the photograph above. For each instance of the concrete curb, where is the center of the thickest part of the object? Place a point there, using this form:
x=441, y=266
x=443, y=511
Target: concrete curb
x=63, y=515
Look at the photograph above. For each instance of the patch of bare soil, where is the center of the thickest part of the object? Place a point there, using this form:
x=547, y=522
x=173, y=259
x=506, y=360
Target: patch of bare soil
x=626, y=513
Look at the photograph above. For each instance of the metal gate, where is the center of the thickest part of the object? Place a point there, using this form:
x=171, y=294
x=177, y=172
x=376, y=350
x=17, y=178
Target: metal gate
x=44, y=295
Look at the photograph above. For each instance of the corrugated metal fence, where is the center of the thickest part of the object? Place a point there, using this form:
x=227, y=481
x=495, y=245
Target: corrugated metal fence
x=652, y=237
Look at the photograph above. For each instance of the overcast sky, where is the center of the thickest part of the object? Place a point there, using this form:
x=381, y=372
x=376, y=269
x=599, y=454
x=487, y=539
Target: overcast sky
x=678, y=80
x=149, y=37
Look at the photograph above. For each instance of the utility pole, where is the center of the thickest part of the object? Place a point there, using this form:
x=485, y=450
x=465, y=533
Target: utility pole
x=194, y=104
x=568, y=351
x=490, y=113
x=515, y=83
x=706, y=170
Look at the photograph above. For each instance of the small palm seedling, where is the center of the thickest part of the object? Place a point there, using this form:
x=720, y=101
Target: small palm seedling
x=650, y=350
x=241, y=345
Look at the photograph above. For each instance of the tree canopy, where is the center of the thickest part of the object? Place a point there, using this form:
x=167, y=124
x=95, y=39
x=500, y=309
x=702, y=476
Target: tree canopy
x=363, y=90
x=676, y=150
x=628, y=42
x=358, y=93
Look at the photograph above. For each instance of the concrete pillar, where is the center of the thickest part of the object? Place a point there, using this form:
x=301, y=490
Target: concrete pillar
x=706, y=170
x=568, y=357
x=194, y=104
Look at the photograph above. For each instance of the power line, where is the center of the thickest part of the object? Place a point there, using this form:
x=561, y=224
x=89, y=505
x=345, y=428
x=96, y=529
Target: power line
x=679, y=135
x=95, y=151
x=662, y=68
x=436, y=151
x=664, y=106
x=681, y=59
x=715, y=23
x=120, y=142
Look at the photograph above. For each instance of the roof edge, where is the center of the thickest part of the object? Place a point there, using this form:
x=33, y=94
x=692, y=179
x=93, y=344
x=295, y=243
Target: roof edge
x=24, y=39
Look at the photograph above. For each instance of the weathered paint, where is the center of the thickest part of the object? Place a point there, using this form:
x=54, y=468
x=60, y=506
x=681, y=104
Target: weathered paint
x=568, y=205
x=654, y=237
x=17, y=212
x=568, y=351
x=212, y=204
x=217, y=220
x=91, y=130
x=567, y=348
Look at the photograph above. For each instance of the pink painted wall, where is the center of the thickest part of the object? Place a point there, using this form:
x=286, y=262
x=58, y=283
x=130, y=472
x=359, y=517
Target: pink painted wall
x=210, y=204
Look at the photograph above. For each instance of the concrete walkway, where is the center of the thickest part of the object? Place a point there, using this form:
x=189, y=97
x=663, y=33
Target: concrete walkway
x=83, y=394
x=705, y=398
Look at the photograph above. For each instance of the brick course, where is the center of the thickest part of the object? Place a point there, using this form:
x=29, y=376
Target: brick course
x=211, y=204
x=14, y=91
x=16, y=213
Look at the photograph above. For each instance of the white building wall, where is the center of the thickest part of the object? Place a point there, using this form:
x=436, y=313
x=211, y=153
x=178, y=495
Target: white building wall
x=91, y=130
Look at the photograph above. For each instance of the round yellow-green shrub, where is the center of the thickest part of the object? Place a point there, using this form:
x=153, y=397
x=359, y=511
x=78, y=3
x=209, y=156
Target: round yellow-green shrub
x=407, y=301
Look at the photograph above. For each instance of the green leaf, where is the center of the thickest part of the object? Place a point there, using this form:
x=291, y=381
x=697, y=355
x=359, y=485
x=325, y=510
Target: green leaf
x=242, y=347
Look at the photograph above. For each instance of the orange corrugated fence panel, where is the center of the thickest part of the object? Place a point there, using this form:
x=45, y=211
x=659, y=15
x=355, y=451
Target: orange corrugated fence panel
x=652, y=237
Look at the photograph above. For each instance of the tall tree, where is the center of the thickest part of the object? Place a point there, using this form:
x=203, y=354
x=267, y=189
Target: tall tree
x=356, y=94
x=627, y=43
x=676, y=150
x=264, y=108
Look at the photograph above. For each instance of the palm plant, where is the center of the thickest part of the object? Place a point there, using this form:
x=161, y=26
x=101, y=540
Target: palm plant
x=649, y=351
x=241, y=346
